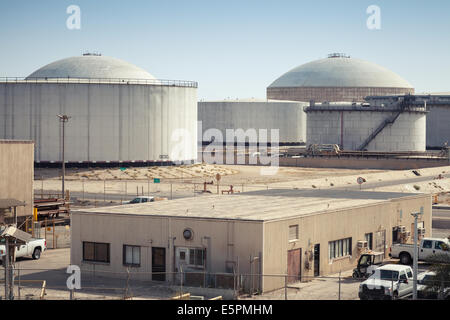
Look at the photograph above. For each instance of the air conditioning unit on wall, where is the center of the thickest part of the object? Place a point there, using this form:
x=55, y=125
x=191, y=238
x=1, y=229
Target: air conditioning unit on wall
x=401, y=229
x=421, y=231
x=362, y=244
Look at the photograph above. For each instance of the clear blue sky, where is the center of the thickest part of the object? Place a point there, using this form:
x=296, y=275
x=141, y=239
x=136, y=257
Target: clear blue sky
x=232, y=48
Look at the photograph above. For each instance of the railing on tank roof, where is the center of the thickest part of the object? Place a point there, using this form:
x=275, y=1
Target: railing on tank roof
x=160, y=82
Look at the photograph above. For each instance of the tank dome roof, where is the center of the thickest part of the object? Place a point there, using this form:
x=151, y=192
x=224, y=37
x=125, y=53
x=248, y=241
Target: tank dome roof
x=90, y=66
x=340, y=71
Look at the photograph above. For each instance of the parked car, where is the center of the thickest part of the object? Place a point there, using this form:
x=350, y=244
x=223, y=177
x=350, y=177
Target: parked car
x=33, y=248
x=427, y=249
x=426, y=279
x=390, y=281
x=141, y=200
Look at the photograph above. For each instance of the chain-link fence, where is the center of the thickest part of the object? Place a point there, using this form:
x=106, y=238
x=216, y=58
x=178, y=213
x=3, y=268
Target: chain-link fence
x=53, y=284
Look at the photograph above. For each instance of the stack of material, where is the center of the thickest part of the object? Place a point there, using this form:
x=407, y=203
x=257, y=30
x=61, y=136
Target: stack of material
x=51, y=207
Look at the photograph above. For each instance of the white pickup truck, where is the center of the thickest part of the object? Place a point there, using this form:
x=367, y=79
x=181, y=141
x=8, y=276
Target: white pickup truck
x=33, y=248
x=427, y=249
x=391, y=281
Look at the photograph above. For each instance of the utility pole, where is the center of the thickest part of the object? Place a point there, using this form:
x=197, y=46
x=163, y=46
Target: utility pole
x=63, y=119
x=415, y=262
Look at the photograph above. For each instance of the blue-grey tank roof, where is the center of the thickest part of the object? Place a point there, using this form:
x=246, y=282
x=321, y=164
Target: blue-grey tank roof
x=91, y=67
x=340, y=72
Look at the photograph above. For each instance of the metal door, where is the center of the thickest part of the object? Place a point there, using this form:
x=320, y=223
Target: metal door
x=294, y=265
x=158, y=264
x=317, y=260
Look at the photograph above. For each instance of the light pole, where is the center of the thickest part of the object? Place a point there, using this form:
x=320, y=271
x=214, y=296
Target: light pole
x=63, y=119
x=415, y=263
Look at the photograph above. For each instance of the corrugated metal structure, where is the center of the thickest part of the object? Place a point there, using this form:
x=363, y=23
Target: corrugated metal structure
x=337, y=78
x=395, y=127
x=286, y=116
x=119, y=112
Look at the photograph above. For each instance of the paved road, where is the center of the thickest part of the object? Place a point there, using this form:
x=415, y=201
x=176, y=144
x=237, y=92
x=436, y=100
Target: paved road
x=441, y=219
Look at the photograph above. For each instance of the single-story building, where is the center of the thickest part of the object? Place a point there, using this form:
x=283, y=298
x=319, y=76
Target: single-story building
x=16, y=179
x=301, y=233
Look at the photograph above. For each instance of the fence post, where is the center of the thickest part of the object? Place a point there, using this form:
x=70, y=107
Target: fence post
x=54, y=244
x=339, y=295
x=104, y=190
x=285, y=288
x=181, y=281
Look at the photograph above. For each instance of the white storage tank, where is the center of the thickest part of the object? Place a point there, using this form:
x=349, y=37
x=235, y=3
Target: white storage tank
x=118, y=112
x=352, y=126
x=286, y=116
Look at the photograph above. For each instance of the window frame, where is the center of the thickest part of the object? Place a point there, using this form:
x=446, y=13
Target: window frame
x=340, y=248
x=193, y=256
x=296, y=238
x=124, y=253
x=95, y=247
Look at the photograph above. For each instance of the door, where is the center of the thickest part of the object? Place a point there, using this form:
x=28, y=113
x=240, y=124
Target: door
x=22, y=251
x=440, y=248
x=426, y=250
x=316, y=260
x=294, y=265
x=158, y=264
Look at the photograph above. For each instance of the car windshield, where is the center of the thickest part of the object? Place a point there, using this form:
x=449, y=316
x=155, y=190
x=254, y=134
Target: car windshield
x=137, y=200
x=426, y=280
x=388, y=275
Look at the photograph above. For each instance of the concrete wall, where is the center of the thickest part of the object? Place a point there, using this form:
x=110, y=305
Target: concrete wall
x=228, y=240
x=362, y=163
x=438, y=125
x=336, y=225
x=109, y=122
x=407, y=133
x=332, y=94
x=17, y=173
x=288, y=117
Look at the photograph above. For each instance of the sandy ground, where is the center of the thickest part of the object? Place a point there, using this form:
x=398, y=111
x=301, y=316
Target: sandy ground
x=187, y=181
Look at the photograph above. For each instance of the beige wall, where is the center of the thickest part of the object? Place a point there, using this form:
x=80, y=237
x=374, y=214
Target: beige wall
x=232, y=240
x=245, y=239
x=336, y=225
x=17, y=173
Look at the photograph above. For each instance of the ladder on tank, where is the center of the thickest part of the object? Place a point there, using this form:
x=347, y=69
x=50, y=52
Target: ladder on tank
x=402, y=106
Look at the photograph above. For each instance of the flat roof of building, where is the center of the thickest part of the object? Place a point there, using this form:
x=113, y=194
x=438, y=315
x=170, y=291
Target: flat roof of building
x=265, y=205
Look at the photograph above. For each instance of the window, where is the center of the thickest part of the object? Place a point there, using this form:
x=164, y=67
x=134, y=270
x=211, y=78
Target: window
x=131, y=256
x=368, y=237
x=388, y=275
x=427, y=244
x=340, y=248
x=403, y=276
x=96, y=252
x=439, y=245
x=410, y=275
x=293, y=232
x=197, y=257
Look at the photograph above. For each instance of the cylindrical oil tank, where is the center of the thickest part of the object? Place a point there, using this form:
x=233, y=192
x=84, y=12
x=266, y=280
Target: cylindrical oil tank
x=286, y=116
x=118, y=112
x=371, y=128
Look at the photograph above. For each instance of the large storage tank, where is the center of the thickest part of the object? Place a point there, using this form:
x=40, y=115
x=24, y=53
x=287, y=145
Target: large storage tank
x=119, y=112
x=438, y=116
x=286, y=116
x=337, y=78
x=352, y=126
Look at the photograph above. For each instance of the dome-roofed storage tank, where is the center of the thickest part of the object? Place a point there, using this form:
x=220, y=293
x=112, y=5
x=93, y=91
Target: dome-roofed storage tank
x=399, y=126
x=337, y=78
x=118, y=112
